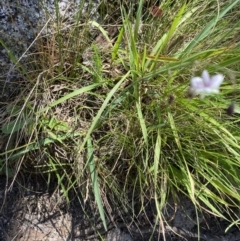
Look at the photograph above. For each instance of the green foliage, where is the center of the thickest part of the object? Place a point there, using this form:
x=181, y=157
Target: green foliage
x=138, y=131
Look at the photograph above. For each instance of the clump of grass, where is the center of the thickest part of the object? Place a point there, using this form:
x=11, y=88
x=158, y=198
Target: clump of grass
x=135, y=133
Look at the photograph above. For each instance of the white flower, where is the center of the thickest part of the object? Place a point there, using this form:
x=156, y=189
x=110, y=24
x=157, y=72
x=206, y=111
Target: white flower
x=206, y=85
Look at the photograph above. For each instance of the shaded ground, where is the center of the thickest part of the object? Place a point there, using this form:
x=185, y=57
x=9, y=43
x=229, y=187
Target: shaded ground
x=37, y=212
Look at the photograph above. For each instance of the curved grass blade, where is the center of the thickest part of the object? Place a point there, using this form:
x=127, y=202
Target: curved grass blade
x=95, y=184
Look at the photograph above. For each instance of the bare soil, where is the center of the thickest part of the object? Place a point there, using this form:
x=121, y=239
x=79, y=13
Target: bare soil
x=33, y=211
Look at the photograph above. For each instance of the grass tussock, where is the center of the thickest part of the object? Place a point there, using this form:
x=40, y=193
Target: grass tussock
x=109, y=115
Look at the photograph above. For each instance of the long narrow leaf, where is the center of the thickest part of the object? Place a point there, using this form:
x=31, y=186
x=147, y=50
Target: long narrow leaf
x=95, y=184
x=101, y=110
x=205, y=32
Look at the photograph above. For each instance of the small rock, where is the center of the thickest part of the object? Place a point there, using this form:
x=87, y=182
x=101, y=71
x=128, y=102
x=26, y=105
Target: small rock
x=117, y=235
